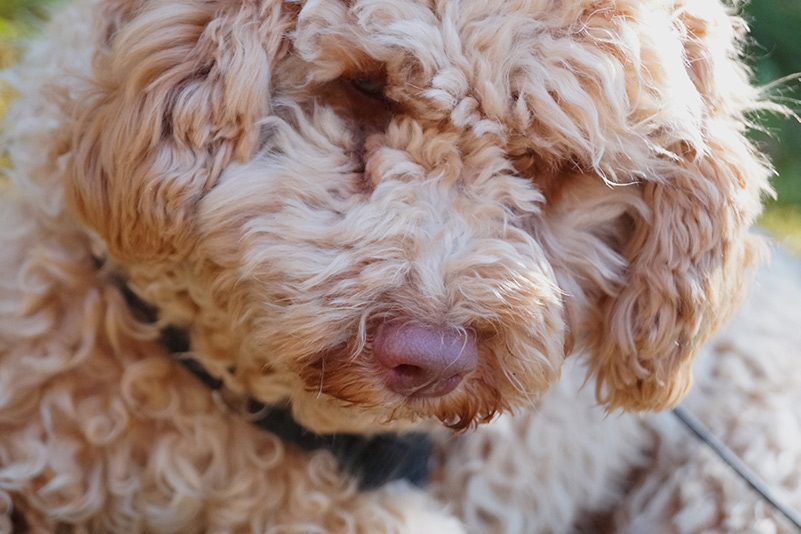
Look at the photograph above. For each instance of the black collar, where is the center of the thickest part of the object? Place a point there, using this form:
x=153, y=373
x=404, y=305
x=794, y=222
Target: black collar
x=372, y=460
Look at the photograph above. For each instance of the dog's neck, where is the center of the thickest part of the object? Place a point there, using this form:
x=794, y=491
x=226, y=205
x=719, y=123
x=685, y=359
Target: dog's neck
x=373, y=460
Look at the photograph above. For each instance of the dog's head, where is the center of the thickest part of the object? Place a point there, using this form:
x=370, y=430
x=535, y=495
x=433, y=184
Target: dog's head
x=416, y=209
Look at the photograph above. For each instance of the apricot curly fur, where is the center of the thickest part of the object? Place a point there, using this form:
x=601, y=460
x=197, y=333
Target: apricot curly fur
x=280, y=178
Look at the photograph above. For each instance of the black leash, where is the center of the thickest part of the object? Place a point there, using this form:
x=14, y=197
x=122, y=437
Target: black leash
x=726, y=454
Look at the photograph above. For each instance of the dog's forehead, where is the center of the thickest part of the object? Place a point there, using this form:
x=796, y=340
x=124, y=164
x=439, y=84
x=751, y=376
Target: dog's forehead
x=581, y=80
x=481, y=40
x=438, y=54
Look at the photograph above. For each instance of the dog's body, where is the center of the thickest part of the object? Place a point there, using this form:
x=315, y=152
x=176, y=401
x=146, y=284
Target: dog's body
x=307, y=187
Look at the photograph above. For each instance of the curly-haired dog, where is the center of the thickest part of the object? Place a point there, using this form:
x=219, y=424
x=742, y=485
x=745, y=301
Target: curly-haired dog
x=391, y=215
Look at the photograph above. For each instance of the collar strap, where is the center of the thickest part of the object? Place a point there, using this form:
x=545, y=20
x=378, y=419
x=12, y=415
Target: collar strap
x=373, y=460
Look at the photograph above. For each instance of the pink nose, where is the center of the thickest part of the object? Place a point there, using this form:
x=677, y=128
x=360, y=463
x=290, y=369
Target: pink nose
x=424, y=361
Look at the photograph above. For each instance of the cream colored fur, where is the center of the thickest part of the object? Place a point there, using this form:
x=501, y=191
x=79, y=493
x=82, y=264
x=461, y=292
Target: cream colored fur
x=569, y=181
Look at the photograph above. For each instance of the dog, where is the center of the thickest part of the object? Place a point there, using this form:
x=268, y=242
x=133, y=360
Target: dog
x=508, y=227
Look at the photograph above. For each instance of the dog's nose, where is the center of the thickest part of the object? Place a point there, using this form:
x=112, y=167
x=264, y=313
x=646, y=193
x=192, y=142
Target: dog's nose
x=424, y=361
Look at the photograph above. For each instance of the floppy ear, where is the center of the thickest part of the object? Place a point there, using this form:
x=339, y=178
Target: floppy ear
x=687, y=264
x=173, y=99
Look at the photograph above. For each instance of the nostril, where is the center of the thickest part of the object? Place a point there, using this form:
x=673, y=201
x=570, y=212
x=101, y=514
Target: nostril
x=408, y=371
x=410, y=380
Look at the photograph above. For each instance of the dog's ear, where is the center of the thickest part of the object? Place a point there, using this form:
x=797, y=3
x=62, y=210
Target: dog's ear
x=174, y=98
x=687, y=262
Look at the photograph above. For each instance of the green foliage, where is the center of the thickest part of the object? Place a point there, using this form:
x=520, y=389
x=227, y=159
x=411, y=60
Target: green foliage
x=784, y=222
x=775, y=53
x=12, y=9
x=18, y=18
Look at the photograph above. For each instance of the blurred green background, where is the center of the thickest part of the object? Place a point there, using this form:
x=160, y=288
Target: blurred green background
x=775, y=52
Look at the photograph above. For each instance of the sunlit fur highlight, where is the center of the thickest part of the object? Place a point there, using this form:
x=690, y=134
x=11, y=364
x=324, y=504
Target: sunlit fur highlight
x=557, y=177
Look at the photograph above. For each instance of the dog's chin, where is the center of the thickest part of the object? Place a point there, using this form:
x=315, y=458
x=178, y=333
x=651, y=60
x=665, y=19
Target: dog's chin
x=326, y=414
x=364, y=398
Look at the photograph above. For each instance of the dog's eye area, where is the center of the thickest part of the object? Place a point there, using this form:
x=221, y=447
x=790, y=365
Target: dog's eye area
x=369, y=85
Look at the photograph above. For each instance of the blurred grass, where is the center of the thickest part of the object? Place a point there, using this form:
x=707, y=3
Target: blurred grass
x=18, y=19
x=775, y=52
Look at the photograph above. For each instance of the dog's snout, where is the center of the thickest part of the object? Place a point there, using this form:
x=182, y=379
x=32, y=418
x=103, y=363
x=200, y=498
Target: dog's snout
x=424, y=361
